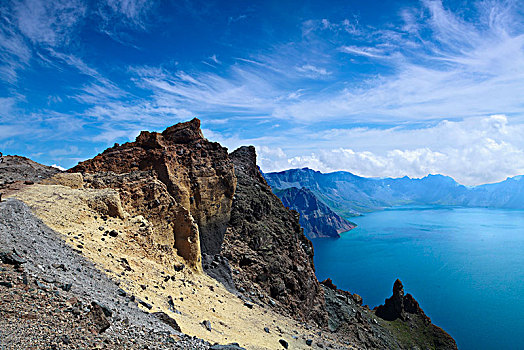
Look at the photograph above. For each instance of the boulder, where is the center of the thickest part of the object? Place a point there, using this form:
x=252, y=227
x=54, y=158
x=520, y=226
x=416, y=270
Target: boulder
x=98, y=317
x=11, y=258
x=162, y=316
x=73, y=180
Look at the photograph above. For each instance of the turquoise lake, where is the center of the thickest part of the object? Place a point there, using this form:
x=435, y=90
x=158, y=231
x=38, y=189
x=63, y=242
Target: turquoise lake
x=465, y=266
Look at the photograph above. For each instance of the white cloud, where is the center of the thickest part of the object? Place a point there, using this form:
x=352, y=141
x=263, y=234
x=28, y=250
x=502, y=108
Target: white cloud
x=439, y=66
x=134, y=10
x=312, y=71
x=14, y=53
x=59, y=167
x=473, y=151
x=48, y=22
x=372, y=52
x=442, y=73
x=215, y=59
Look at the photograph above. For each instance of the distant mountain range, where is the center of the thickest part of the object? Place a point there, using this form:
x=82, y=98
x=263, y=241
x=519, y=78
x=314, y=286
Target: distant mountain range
x=317, y=219
x=349, y=194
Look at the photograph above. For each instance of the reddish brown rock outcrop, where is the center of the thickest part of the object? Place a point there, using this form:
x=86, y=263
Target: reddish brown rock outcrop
x=178, y=179
x=266, y=244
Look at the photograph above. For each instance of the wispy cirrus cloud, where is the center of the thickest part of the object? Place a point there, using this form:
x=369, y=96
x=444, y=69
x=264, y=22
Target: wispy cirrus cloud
x=14, y=53
x=48, y=22
x=120, y=17
x=442, y=65
x=334, y=94
x=439, y=65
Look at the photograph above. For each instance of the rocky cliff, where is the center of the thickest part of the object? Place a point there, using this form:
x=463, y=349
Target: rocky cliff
x=317, y=219
x=178, y=179
x=266, y=245
x=409, y=323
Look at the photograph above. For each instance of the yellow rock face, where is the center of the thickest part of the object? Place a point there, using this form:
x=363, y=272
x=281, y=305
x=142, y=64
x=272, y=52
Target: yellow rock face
x=73, y=180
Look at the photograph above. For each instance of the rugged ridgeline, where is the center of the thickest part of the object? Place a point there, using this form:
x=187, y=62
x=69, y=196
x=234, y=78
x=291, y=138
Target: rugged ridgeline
x=349, y=194
x=317, y=219
x=146, y=210
x=265, y=242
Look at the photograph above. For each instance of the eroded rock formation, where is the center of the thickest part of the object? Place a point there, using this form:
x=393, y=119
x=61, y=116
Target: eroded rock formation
x=266, y=245
x=404, y=308
x=400, y=305
x=183, y=193
x=180, y=181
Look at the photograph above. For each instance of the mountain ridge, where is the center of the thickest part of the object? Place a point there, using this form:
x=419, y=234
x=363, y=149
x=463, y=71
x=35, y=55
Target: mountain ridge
x=349, y=194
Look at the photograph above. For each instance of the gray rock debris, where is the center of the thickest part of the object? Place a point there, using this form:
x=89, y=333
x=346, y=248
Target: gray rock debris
x=44, y=253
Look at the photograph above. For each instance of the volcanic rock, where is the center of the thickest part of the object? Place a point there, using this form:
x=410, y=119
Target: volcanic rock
x=405, y=308
x=16, y=170
x=98, y=317
x=11, y=258
x=264, y=241
x=186, y=190
x=400, y=306
x=162, y=316
x=217, y=267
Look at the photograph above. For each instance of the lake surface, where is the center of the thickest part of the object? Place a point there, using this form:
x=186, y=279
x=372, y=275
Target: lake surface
x=465, y=266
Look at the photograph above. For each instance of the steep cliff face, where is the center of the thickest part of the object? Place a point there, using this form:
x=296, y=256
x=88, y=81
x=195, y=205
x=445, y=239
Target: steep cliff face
x=317, y=219
x=180, y=180
x=266, y=245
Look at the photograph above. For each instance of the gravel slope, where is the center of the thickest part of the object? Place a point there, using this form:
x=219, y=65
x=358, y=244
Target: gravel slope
x=53, y=264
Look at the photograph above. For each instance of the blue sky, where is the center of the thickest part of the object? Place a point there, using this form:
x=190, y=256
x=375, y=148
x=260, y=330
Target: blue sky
x=378, y=88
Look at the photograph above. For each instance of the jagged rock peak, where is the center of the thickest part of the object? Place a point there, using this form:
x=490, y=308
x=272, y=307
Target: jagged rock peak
x=246, y=157
x=184, y=132
x=266, y=243
x=400, y=306
x=398, y=289
x=176, y=172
